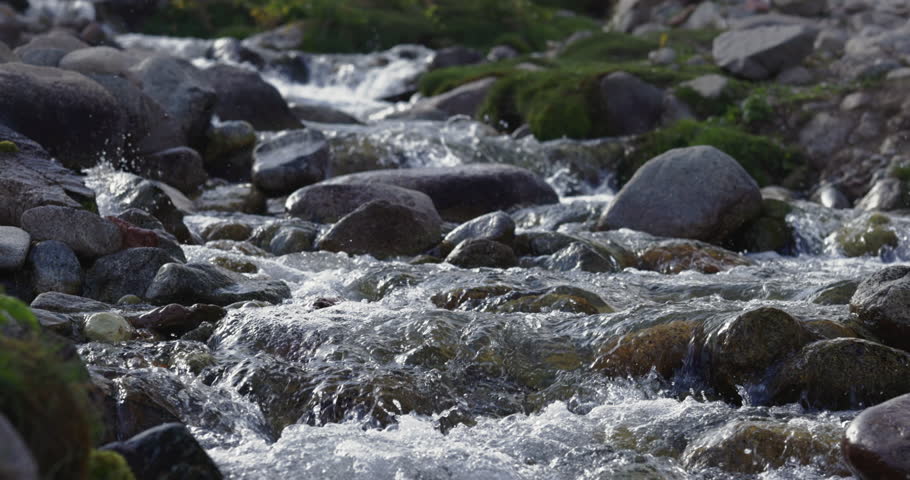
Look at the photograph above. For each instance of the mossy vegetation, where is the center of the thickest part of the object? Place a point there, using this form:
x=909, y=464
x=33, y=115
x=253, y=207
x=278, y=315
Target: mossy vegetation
x=363, y=25
x=43, y=395
x=7, y=146
x=108, y=465
x=766, y=160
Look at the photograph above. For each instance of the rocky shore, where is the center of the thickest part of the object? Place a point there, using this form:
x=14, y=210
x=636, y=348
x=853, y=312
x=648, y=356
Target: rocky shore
x=698, y=199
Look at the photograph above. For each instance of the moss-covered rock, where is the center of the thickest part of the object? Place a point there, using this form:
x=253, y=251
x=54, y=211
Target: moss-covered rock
x=504, y=299
x=108, y=465
x=662, y=348
x=769, y=232
x=766, y=160
x=837, y=293
x=754, y=446
x=866, y=235
x=7, y=146
x=675, y=256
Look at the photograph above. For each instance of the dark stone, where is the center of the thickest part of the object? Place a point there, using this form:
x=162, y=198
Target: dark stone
x=129, y=272
x=882, y=305
x=63, y=303
x=86, y=233
x=382, y=229
x=166, y=451
x=762, y=52
x=496, y=226
x=244, y=95
x=578, y=256
x=179, y=167
x=174, y=320
x=455, y=57
x=203, y=283
x=876, y=445
x=290, y=160
x=52, y=266
x=464, y=192
x=633, y=105
x=327, y=203
x=312, y=112
x=476, y=253
x=51, y=106
x=292, y=239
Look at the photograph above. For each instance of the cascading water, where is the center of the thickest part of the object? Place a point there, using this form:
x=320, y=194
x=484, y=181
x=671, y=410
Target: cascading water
x=384, y=384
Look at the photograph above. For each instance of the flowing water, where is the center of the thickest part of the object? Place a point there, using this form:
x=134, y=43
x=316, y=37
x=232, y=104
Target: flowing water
x=383, y=384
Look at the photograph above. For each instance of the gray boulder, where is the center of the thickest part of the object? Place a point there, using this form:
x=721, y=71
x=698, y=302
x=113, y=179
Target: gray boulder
x=633, y=105
x=235, y=197
x=14, y=244
x=805, y=8
x=327, y=203
x=99, y=60
x=456, y=56
x=695, y=192
x=290, y=160
x=464, y=100
x=464, y=192
x=313, y=112
x=53, y=267
x=760, y=53
x=244, y=95
x=496, y=226
x=62, y=303
x=882, y=305
x=86, y=233
x=31, y=179
x=129, y=272
x=382, y=229
x=478, y=252
x=875, y=444
x=293, y=239
x=183, y=92
x=166, y=451
x=192, y=283
x=42, y=57
x=179, y=167
x=51, y=106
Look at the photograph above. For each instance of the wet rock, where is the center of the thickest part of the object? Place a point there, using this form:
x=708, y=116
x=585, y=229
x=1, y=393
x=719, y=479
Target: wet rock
x=64, y=303
x=382, y=229
x=885, y=194
x=133, y=236
x=881, y=305
x=234, y=264
x=167, y=205
x=755, y=446
x=557, y=299
x=291, y=239
x=16, y=460
x=129, y=272
x=228, y=151
x=183, y=92
x=150, y=234
x=328, y=203
x=634, y=106
x=455, y=57
x=86, y=233
x=202, y=283
x=722, y=199
x=541, y=243
x=244, y=95
x=738, y=352
x=841, y=374
x=244, y=248
x=675, y=256
x=175, y=320
x=579, y=256
x=100, y=60
x=760, y=53
x=41, y=57
x=242, y=197
x=290, y=160
x=866, y=235
x=166, y=451
x=475, y=253
x=58, y=39
x=464, y=192
x=179, y=167
x=662, y=348
x=228, y=230
x=829, y=196
x=50, y=106
x=875, y=444
x=32, y=179
x=58, y=323
x=464, y=100
x=768, y=232
x=14, y=243
x=496, y=226
x=107, y=327
x=322, y=114
x=838, y=293
x=52, y=266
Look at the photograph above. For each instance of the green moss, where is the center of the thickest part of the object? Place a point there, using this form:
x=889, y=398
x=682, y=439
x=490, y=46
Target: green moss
x=867, y=235
x=762, y=157
x=609, y=47
x=13, y=310
x=108, y=465
x=7, y=146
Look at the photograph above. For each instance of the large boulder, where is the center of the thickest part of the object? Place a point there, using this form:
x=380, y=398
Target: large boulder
x=382, y=229
x=99, y=60
x=86, y=233
x=129, y=272
x=327, y=203
x=876, y=443
x=882, y=305
x=183, y=91
x=51, y=106
x=203, y=283
x=31, y=179
x=290, y=160
x=496, y=226
x=179, y=167
x=695, y=192
x=762, y=52
x=52, y=266
x=467, y=191
x=166, y=451
x=244, y=95
x=633, y=105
